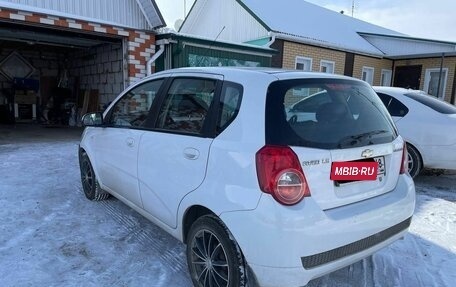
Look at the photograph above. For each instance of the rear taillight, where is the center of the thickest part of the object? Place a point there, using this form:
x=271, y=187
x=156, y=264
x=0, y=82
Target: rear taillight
x=280, y=174
x=404, y=164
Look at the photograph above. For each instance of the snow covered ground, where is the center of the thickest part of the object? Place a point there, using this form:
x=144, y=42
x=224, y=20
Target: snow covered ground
x=50, y=235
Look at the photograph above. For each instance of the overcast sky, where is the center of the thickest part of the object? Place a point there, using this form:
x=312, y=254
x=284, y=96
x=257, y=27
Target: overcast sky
x=418, y=18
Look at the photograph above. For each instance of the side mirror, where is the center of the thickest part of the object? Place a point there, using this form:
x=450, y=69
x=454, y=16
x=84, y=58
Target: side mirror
x=92, y=119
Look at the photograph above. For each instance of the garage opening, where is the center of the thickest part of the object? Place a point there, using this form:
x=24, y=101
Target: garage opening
x=53, y=76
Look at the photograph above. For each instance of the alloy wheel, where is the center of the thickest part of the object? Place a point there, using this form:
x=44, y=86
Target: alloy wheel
x=209, y=260
x=410, y=162
x=87, y=176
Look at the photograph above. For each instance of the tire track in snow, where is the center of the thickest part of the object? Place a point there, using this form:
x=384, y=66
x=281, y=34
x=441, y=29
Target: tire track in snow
x=424, y=272
x=368, y=271
x=153, y=239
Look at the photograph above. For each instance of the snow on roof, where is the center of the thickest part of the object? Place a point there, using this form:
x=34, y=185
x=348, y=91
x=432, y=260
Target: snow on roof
x=152, y=13
x=402, y=47
x=198, y=37
x=315, y=24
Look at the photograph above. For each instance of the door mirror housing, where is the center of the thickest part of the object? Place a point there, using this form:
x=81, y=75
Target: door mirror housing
x=92, y=119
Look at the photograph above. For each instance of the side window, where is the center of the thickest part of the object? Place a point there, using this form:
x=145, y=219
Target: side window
x=394, y=107
x=230, y=101
x=186, y=105
x=132, y=109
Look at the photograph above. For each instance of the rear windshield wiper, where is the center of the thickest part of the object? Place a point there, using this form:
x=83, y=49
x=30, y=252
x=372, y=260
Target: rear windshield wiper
x=355, y=139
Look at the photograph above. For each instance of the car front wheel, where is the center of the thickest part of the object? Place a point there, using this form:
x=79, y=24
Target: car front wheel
x=90, y=186
x=213, y=256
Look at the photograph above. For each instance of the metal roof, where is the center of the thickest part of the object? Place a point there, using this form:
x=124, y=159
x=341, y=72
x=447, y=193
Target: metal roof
x=397, y=47
x=136, y=14
x=314, y=24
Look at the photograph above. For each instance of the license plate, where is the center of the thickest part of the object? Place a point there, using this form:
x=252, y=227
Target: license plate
x=381, y=165
x=355, y=170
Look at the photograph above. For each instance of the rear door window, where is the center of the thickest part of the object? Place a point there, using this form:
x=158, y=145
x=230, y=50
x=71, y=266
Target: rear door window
x=186, y=105
x=332, y=114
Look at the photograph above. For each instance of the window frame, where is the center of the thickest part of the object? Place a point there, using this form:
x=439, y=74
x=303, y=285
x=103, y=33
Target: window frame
x=368, y=69
x=302, y=58
x=326, y=62
x=443, y=84
x=382, y=77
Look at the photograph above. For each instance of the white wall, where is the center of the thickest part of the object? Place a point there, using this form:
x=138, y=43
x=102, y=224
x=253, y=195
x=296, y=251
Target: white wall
x=240, y=26
x=123, y=12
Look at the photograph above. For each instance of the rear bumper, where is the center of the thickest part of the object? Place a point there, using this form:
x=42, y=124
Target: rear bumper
x=286, y=277
x=278, y=241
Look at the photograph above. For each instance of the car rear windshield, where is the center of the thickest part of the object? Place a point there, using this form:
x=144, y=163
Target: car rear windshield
x=326, y=114
x=433, y=103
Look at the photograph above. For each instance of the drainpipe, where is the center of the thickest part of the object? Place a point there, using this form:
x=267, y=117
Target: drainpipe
x=154, y=58
x=440, y=76
x=273, y=38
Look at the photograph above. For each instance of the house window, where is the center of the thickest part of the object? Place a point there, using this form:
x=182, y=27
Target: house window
x=368, y=75
x=431, y=82
x=304, y=64
x=386, y=78
x=327, y=66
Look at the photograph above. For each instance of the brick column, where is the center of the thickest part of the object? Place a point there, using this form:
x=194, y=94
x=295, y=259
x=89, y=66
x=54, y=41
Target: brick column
x=141, y=47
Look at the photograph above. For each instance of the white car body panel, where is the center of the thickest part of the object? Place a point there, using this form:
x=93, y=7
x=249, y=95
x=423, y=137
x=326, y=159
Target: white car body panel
x=433, y=134
x=116, y=153
x=181, y=169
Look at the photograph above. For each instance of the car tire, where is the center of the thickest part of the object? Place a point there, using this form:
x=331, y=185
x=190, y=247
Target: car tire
x=90, y=185
x=415, y=163
x=213, y=255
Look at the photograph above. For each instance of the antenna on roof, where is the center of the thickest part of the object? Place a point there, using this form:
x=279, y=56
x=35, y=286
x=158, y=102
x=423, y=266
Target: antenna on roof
x=353, y=7
x=210, y=46
x=185, y=9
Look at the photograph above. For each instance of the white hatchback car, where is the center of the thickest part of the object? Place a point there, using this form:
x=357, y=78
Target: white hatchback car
x=209, y=156
x=427, y=124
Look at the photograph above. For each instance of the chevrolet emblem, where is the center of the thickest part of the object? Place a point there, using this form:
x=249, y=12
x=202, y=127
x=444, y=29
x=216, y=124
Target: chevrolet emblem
x=367, y=153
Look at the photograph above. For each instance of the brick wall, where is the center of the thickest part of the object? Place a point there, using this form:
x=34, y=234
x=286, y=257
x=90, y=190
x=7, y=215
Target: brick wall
x=377, y=64
x=434, y=63
x=99, y=68
x=141, y=44
x=292, y=50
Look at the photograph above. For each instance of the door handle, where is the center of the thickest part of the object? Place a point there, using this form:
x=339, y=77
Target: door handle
x=130, y=142
x=191, y=153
